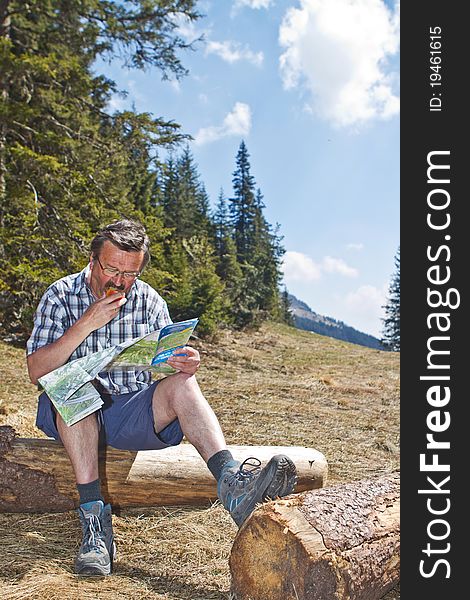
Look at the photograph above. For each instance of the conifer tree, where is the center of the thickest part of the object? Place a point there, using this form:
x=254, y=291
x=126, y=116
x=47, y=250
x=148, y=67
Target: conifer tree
x=184, y=198
x=228, y=268
x=193, y=195
x=391, y=323
x=195, y=287
x=259, y=249
x=286, y=314
x=242, y=205
x=67, y=166
x=268, y=252
x=220, y=220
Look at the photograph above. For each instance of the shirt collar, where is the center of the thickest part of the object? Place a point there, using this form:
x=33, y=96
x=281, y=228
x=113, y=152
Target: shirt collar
x=83, y=289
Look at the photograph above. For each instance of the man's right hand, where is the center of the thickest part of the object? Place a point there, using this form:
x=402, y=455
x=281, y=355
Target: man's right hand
x=50, y=357
x=103, y=310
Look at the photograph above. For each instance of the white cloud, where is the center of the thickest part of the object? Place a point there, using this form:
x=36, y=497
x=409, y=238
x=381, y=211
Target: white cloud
x=366, y=297
x=338, y=50
x=237, y=122
x=118, y=103
x=175, y=85
x=364, y=307
x=300, y=267
x=354, y=246
x=229, y=50
x=233, y=52
x=187, y=29
x=337, y=265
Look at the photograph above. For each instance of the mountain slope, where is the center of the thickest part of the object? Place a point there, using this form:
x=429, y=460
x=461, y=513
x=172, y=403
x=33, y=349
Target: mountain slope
x=305, y=318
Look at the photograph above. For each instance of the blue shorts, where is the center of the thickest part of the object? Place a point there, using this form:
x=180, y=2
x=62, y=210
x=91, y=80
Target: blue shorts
x=125, y=420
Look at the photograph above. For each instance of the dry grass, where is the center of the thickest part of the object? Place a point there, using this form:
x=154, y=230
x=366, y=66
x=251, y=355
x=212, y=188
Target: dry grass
x=276, y=386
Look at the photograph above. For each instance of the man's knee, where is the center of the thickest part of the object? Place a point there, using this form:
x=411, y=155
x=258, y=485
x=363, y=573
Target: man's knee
x=176, y=388
x=178, y=383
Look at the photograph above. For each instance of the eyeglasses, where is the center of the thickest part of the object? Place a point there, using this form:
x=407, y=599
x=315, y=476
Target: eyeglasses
x=112, y=272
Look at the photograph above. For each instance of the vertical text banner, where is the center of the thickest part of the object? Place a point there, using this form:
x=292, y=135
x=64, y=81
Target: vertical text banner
x=435, y=239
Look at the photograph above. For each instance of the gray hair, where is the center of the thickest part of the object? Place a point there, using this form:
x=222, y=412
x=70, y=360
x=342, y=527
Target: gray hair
x=127, y=235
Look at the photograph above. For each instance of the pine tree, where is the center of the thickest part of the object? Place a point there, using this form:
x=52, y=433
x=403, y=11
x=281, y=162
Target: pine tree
x=184, y=199
x=228, y=268
x=286, y=314
x=242, y=206
x=391, y=323
x=66, y=165
x=259, y=249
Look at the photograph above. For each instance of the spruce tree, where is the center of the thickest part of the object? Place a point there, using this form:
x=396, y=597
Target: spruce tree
x=228, y=268
x=220, y=220
x=195, y=287
x=286, y=314
x=391, y=323
x=184, y=199
x=193, y=199
x=67, y=166
x=242, y=205
x=267, y=257
x=259, y=249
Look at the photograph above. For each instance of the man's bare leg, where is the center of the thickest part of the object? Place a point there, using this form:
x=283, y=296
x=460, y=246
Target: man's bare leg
x=81, y=444
x=97, y=550
x=179, y=396
x=239, y=489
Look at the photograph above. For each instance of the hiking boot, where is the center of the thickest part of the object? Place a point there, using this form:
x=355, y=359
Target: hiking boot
x=242, y=486
x=98, y=549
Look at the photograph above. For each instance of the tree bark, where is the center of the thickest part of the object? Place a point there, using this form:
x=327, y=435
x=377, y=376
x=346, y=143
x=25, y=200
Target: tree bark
x=338, y=543
x=36, y=475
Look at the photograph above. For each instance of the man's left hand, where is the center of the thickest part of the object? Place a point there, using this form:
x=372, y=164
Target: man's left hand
x=186, y=364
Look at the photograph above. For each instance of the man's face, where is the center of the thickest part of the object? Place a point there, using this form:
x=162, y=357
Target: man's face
x=112, y=257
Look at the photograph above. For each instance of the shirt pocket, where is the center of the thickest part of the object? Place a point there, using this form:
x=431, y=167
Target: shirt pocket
x=130, y=327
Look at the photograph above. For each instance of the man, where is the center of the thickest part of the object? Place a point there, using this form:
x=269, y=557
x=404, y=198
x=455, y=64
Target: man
x=103, y=305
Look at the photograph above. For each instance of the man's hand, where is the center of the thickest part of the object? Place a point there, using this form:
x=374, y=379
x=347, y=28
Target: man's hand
x=54, y=355
x=103, y=310
x=186, y=364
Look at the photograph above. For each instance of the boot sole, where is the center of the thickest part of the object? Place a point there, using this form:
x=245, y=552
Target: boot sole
x=277, y=479
x=285, y=478
x=93, y=572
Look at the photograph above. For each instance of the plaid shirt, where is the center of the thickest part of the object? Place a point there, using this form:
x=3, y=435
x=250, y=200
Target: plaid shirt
x=65, y=301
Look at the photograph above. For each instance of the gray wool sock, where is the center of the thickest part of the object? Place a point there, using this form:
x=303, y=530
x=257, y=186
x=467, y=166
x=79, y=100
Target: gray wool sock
x=217, y=462
x=89, y=492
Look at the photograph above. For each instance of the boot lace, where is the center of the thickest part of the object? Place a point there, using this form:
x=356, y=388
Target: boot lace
x=247, y=471
x=93, y=533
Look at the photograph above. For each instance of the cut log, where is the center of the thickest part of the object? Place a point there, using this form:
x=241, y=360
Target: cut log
x=36, y=475
x=338, y=543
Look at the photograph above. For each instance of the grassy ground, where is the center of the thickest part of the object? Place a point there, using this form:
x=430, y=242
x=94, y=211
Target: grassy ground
x=275, y=386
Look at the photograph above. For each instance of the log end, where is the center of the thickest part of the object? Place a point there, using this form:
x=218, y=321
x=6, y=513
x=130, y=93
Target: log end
x=268, y=563
x=282, y=553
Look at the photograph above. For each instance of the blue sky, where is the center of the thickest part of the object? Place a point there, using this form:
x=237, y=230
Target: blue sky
x=312, y=87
